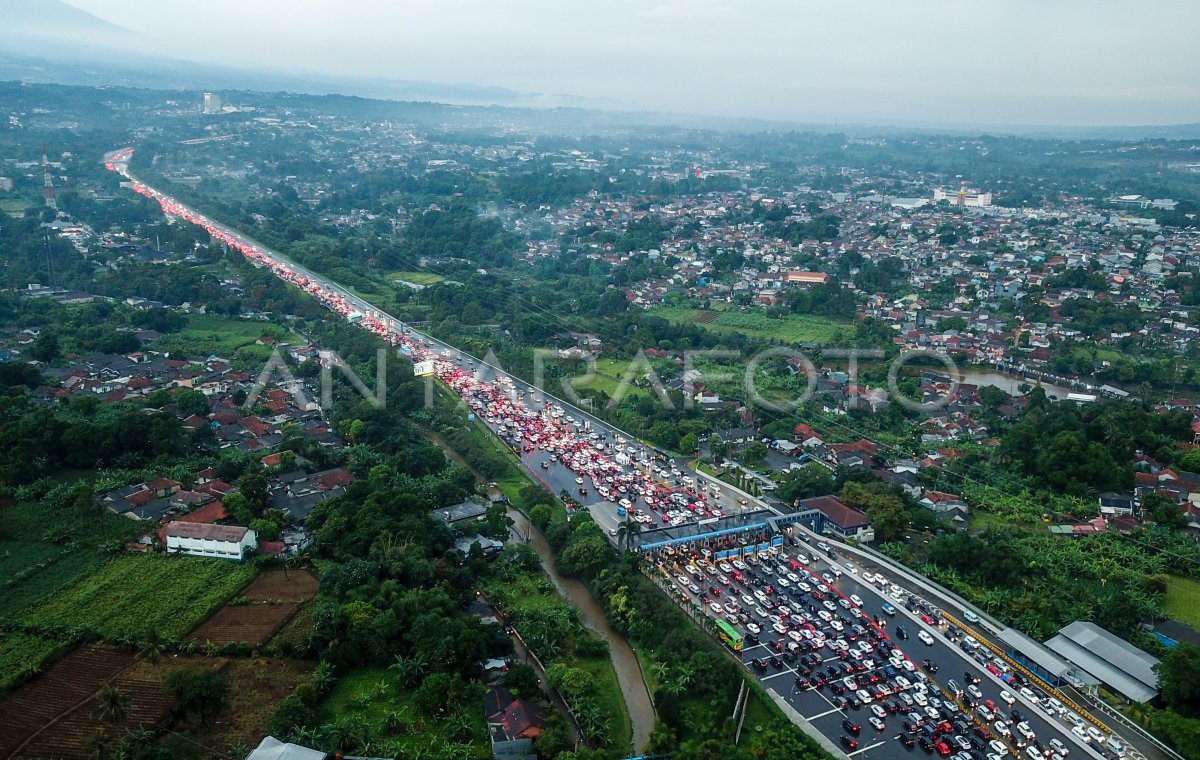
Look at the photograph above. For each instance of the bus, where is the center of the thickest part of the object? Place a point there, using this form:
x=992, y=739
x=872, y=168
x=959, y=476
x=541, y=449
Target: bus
x=731, y=637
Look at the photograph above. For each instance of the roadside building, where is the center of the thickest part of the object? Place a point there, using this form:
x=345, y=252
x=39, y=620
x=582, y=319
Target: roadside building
x=201, y=540
x=1112, y=661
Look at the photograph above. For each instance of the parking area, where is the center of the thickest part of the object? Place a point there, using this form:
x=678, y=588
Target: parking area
x=869, y=665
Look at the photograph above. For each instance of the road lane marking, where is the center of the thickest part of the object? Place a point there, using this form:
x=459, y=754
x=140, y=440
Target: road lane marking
x=822, y=715
x=864, y=749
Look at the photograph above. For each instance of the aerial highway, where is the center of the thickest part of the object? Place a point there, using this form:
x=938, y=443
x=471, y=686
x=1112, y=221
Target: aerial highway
x=975, y=714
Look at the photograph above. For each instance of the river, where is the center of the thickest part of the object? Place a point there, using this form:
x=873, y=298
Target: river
x=1009, y=383
x=624, y=660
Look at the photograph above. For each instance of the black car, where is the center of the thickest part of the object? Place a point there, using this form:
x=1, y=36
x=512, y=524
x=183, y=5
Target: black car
x=969, y=678
x=925, y=742
x=849, y=742
x=929, y=665
x=752, y=638
x=760, y=663
x=906, y=740
x=776, y=662
x=789, y=657
x=901, y=633
x=851, y=726
x=854, y=701
x=1015, y=716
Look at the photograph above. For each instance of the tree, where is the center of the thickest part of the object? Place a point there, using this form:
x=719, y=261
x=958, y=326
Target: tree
x=689, y=443
x=197, y=691
x=1179, y=679
x=46, y=348
x=805, y=482
x=266, y=530
x=888, y=517
x=112, y=705
x=522, y=680
x=1164, y=511
x=627, y=533
x=755, y=453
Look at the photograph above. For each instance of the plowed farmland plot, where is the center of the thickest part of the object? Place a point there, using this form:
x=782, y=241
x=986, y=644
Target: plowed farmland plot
x=67, y=738
x=273, y=598
x=70, y=681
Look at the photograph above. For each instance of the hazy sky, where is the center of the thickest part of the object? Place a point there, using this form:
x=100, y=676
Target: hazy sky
x=1080, y=62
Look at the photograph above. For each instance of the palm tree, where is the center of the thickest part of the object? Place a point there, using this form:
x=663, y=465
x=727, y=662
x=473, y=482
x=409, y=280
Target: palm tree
x=659, y=670
x=152, y=646
x=322, y=677
x=409, y=670
x=112, y=705
x=461, y=727
x=684, y=673
x=627, y=533
x=98, y=745
x=393, y=720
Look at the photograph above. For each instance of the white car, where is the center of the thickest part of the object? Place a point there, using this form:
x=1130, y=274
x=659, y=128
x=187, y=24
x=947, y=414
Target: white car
x=876, y=722
x=974, y=691
x=783, y=582
x=856, y=599
x=864, y=696
x=794, y=636
x=1008, y=698
x=779, y=628
x=753, y=628
x=920, y=698
x=1059, y=748
x=1095, y=734
x=851, y=569
x=998, y=747
x=925, y=638
x=879, y=710
x=1001, y=729
x=1025, y=729
x=1028, y=694
x=760, y=612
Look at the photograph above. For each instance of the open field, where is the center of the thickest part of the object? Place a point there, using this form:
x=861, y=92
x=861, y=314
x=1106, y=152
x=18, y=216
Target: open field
x=45, y=551
x=54, y=715
x=368, y=695
x=793, y=328
x=210, y=333
x=1183, y=600
x=273, y=599
x=140, y=593
x=418, y=278
x=65, y=684
x=256, y=686
x=21, y=652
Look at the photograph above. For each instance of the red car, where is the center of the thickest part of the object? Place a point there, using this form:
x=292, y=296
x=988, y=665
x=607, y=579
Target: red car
x=942, y=748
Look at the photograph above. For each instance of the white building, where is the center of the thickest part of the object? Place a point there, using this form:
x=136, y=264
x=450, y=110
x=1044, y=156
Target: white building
x=964, y=196
x=201, y=540
x=212, y=102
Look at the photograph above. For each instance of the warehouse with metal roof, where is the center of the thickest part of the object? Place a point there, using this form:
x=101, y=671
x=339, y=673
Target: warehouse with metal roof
x=1039, y=660
x=1114, y=662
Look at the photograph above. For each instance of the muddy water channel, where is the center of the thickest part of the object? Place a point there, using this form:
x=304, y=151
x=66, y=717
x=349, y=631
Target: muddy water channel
x=629, y=673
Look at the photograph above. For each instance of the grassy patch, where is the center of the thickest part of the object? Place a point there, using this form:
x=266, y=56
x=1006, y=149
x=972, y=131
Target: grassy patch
x=1183, y=600
x=22, y=653
x=135, y=594
x=418, y=278
x=370, y=697
x=213, y=334
x=55, y=548
x=792, y=328
x=608, y=699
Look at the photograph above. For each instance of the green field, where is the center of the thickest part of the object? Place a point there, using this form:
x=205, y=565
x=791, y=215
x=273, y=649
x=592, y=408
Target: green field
x=607, y=378
x=418, y=278
x=793, y=328
x=212, y=334
x=21, y=654
x=134, y=594
x=370, y=697
x=43, y=551
x=1183, y=600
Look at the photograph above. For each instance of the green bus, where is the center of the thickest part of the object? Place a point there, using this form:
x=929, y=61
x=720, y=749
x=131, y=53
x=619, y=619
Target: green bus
x=731, y=636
